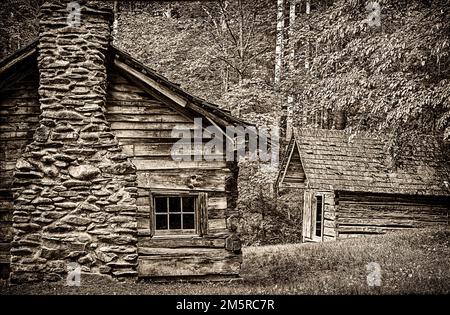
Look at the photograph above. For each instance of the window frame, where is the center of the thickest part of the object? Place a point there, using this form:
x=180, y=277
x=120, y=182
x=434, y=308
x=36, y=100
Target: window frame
x=200, y=214
x=314, y=235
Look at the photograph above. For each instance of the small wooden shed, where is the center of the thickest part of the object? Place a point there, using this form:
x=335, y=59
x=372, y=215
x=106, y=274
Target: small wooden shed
x=352, y=186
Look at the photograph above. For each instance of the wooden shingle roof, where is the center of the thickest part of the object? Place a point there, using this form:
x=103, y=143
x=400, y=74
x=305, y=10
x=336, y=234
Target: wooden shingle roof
x=16, y=64
x=334, y=159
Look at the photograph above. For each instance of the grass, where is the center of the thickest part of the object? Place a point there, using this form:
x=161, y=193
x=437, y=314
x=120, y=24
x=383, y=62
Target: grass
x=412, y=262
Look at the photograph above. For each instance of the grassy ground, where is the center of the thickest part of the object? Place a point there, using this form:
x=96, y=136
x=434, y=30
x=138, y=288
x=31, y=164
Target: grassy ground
x=412, y=262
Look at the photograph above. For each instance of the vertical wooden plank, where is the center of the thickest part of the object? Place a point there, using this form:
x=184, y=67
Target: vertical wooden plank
x=330, y=213
x=313, y=207
x=202, y=213
x=307, y=216
x=152, y=214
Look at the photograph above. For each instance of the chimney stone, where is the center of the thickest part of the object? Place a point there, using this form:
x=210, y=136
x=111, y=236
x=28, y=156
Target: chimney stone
x=74, y=190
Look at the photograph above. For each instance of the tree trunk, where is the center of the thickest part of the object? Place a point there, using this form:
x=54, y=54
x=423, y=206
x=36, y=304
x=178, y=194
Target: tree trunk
x=226, y=67
x=290, y=102
x=308, y=11
x=116, y=20
x=340, y=121
x=241, y=43
x=306, y=110
x=291, y=34
x=279, y=43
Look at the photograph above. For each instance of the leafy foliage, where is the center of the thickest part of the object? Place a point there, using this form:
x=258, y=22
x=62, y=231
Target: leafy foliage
x=264, y=219
x=240, y=32
x=392, y=78
x=18, y=24
x=175, y=47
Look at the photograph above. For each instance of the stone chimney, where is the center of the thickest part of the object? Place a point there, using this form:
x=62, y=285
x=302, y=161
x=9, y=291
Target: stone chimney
x=75, y=191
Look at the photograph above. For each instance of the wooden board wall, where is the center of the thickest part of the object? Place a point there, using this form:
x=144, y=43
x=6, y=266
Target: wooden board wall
x=19, y=114
x=143, y=127
x=295, y=175
x=329, y=216
x=362, y=214
x=307, y=223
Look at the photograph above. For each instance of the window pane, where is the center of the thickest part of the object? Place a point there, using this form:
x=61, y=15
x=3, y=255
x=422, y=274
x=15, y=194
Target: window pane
x=188, y=204
x=175, y=221
x=161, y=222
x=161, y=204
x=319, y=216
x=188, y=221
x=174, y=204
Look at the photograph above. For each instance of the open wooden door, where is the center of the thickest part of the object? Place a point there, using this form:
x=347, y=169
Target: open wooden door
x=306, y=233
x=313, y=217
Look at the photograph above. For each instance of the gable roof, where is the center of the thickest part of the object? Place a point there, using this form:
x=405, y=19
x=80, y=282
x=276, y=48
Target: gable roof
x=17, y=63
x=286, y=163
x=336, y=160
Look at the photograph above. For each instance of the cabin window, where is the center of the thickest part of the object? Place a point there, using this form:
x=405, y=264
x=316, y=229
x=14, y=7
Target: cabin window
x=178, y=214
x=319, y=215
x=175, y=213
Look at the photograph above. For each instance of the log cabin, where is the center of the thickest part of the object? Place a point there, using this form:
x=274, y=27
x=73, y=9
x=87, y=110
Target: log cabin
x=353, y=187
x=88, y=171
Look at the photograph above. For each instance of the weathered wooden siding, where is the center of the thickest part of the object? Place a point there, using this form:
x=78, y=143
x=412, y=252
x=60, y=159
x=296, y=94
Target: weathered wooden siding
x=359, y=214
x=295, y=175
x=191, y=256
x=143, y=126
x=329, y=217
x=307, y=209
x=348, y=214
x=19, y=113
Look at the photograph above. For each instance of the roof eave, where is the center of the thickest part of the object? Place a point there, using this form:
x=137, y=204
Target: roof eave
x=194, y=103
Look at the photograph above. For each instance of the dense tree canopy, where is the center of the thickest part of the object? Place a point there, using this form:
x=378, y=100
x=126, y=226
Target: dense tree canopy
x=388, y=77
x=18, y=24
x=394, y=76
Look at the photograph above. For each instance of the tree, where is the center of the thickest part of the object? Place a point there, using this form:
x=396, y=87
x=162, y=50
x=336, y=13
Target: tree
x=238, y=36
x=290, y=102
x=279, y=49
x=389, y=78
x=18, y=24
x=220, y=28
x=116, y=19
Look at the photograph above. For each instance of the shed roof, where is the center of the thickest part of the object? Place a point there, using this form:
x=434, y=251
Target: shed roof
x=338, y=160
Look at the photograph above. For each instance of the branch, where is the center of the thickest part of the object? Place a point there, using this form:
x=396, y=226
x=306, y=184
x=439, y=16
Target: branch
x=230, y=64
x=252, y=28
x=226, y=17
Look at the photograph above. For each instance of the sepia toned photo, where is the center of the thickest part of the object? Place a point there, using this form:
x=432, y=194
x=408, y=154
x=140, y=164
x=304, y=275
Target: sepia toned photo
x=225, y=148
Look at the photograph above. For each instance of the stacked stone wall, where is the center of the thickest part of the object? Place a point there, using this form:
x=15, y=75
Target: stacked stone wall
x=74, y=189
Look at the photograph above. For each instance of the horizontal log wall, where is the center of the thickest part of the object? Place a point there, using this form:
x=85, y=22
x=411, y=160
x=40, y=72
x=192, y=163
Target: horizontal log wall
x=143, y=126
x=19, y=114
x=361, y=214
